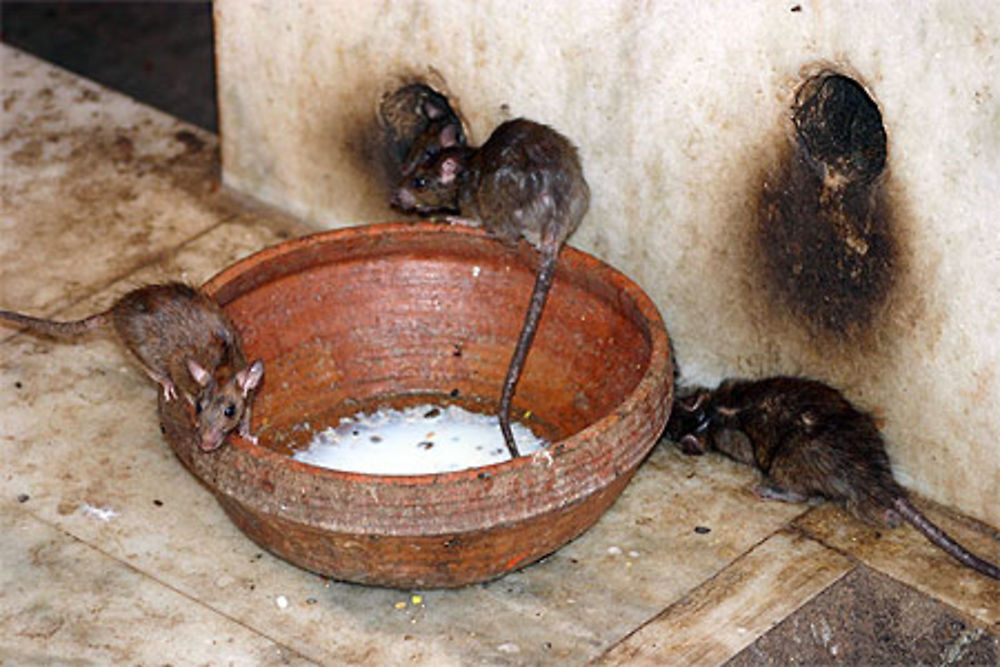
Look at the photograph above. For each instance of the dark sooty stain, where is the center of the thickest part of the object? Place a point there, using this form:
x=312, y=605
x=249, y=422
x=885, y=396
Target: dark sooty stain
x=825, y=225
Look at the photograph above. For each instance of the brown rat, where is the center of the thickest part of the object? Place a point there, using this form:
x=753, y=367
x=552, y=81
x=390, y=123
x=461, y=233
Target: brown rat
x=807, y=440
x=443, y=130
x=413, y=118
x=527, y=182
x=185, y=343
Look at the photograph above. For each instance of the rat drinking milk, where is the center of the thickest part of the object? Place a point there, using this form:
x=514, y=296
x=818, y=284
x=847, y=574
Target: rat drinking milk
x=185, y=343
x=807, y=440
x=527, y=182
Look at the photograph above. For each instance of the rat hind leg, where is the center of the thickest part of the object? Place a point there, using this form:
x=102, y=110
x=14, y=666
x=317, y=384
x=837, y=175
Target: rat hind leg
x=872, y=513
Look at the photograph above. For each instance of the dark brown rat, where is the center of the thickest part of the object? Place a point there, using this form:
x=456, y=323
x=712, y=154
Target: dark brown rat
x=443, y=130
x=413, y=118
x=808, y=441
x=527, y=182
x=185, y=343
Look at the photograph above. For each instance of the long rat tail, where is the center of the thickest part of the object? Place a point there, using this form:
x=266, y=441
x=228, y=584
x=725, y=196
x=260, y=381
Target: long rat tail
x=53, y=328
x=543, y=283
x=908, y=511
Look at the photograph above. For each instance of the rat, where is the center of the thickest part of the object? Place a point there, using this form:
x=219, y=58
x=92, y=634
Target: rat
x=442, y=132
x=526, y=182
x=807, y=440
x=184, y=342
x=413, y=118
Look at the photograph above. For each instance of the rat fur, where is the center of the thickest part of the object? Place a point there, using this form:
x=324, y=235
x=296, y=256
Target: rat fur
x=185, y=343
x=808, y=441
x=413, y=118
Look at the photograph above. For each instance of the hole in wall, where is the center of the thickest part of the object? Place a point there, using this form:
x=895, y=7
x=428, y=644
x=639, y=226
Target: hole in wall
x=840, y=128
x=825, y=227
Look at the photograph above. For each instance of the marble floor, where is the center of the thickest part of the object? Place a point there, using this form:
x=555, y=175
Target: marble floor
x=114, y=554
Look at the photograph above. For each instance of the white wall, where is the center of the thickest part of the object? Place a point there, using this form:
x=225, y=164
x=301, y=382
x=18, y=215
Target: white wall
x=678, y=109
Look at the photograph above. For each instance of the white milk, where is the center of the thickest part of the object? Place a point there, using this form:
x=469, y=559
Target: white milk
x=418, y=440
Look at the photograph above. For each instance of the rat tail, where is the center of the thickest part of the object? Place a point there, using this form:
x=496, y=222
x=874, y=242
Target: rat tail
x=908, y=511
x=53, y=328
x=543, y=283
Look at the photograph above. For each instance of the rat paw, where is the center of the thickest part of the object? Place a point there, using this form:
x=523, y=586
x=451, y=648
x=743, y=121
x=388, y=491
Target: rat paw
x=169, y=391
x=766, y=492
x=247, y=435
x=691, y=446
x=459, y=220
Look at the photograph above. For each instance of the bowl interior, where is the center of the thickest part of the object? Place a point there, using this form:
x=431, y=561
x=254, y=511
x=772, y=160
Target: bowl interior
x=425, y=314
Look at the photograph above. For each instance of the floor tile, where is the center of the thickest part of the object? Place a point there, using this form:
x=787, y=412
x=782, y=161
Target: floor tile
x=906, y=555
x=737, y=606
x=867, y=618
x=64, y=602
x=89, y=173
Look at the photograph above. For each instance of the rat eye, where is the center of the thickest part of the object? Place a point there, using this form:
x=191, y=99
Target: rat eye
x=198, y=408
x=230, y=411
x=419, y=182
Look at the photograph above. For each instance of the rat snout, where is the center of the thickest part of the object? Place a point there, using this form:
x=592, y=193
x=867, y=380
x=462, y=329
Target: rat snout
x=212, y=440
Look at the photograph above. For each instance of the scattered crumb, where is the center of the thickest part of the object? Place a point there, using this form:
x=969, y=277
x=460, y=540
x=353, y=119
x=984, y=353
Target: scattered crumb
x=416, y=599
x=103, y=513
x=476, y=271
x=401, y=605
x=509, y=647
x=281, y=601
x=633, y=554
x=614, y=551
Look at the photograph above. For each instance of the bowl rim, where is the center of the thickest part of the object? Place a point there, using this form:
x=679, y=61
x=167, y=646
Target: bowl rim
x=654, y=386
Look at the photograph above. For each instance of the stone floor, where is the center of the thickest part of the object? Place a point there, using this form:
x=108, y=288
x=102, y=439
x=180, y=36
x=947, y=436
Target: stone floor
x=114, y=554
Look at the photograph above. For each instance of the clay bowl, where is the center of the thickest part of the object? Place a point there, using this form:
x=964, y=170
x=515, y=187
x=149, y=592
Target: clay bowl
x=399, y=314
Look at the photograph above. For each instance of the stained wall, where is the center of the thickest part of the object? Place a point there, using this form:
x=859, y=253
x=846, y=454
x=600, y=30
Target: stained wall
x=683, y=115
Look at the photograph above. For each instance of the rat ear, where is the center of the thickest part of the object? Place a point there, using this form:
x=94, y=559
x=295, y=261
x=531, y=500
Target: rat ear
x=248, y=378
x=449, y=135
x=432, y=111
x=450, y=168
x=200, y=375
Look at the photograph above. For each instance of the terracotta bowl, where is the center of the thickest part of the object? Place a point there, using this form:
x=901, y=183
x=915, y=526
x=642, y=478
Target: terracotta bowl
x=399, y=314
